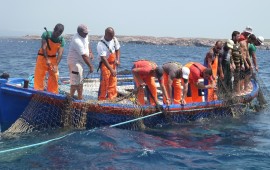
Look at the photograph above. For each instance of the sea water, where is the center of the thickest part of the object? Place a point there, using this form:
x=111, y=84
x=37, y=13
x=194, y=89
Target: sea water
x=233, y=142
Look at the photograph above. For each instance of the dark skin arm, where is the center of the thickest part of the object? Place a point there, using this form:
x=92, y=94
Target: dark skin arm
x=254, y=59
x=117, y=61
x=185, y=89
x=88, y=62
x=168, y=97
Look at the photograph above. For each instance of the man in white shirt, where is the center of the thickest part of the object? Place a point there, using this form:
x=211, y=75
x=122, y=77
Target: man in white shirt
x=108, y=49
x=79, y=52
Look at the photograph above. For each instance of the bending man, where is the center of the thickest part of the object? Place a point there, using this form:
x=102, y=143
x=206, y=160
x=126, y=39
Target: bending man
x=198, y=71
x=144, y=73
x=173, y=72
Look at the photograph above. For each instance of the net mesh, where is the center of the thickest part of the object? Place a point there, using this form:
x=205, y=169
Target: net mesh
x=46, y=111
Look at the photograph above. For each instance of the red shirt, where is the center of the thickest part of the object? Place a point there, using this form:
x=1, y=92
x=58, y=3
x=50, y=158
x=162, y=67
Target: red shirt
x=145, y=67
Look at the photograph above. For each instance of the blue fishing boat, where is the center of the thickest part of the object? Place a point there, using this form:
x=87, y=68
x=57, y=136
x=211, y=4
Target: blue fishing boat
x=41, y=109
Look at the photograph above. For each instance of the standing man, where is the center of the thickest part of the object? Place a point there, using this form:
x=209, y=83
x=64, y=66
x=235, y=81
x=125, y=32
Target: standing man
x=226, y=67
x=108, y=49
x=247, y=62
x=198, y=71
x=252, y=51
x=211, y=61
x=144, y=73
x=79, y=52
x=238, y=63
x=48, y=59
x=174, y=76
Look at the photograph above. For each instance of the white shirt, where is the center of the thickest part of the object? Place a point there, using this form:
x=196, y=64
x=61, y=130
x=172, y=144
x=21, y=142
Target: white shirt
x=103, y=50
x=78, y=46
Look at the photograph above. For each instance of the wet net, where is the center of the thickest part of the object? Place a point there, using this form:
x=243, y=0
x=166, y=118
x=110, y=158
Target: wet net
x=47, y=111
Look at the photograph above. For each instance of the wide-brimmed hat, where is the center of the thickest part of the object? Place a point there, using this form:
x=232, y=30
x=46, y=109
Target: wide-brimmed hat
x=260, y=39
x=230, y=43
x=185, y=72
x=82, y=29
x=248, y=29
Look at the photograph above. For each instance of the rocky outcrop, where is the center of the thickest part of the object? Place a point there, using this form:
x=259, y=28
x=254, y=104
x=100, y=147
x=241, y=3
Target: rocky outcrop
x=199, y=42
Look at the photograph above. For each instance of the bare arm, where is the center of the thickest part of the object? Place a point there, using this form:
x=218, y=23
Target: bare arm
x=117, y=53
x=88, y=62
x=220, y=67
x=209, y=59
x=168, y=94
x=44, y=49
x=254, y=59
x=185, y=89
x=60, y=54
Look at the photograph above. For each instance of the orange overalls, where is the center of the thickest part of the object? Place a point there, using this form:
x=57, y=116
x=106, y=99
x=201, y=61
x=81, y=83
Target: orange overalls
x=176, y=89
x=42, y=68
x=145, y=74
x=194, y=94
x=211, y=94
x=108, y=82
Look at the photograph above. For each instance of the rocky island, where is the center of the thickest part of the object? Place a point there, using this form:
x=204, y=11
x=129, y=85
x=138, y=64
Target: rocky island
x=199, y=42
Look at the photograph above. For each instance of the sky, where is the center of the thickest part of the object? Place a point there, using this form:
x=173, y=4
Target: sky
x=159, y=18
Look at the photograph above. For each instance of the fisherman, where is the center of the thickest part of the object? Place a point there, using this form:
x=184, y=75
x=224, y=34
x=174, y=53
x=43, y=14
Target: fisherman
x=198, y=71
x=247, y=72
x=211, y=61
x=48, y=59
x=79, y=53
x=252, y=51
x=244, y=35
x=174, y=76
x=238, y=63
x=108, y=49
x=225, y=68
x=144, y=73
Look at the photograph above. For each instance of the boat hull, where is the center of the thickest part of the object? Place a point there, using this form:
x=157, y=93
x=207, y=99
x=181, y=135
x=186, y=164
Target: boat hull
x=43, y=110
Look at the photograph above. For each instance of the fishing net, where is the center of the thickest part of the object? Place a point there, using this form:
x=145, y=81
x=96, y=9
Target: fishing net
x=46, y=110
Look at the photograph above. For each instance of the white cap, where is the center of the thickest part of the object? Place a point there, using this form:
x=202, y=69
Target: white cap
x=185, y=72
x=248, y=29
x=260, y=39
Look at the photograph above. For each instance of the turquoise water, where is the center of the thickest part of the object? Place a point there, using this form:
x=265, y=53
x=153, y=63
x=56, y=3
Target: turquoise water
x=221, y=143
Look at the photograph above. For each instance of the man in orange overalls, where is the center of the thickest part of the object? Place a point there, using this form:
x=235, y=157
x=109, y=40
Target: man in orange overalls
x=211, y=61
x=198, y=71
x=174, y=76
x=144, y=73
x=48, y=59
x=108, y=49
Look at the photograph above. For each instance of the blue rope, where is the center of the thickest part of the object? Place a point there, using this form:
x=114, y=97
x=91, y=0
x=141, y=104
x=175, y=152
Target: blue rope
x=36, y=144
x=55, y=139
x=133, y=120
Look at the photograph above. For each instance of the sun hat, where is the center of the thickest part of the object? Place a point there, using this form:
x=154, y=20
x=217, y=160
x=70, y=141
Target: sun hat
x=185, y=72
x=248, y=29
x=83, y=29
x=230, y=43
x=260, y=39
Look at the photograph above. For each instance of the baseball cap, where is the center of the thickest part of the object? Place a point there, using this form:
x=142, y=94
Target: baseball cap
x=185, y=72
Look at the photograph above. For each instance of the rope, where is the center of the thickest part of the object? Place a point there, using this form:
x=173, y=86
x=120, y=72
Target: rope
x=36, y=144
x=133, y=120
